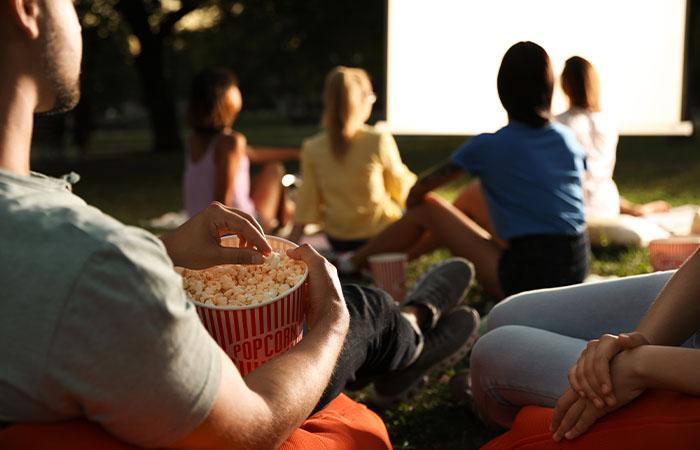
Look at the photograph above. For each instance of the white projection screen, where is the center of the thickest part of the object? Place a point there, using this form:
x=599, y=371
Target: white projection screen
x=443, y=57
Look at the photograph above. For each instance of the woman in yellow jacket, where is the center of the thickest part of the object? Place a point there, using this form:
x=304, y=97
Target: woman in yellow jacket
x=354, y=183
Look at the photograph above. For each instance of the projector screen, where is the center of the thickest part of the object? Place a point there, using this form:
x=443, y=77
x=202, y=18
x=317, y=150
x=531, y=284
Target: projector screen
x=443, y=58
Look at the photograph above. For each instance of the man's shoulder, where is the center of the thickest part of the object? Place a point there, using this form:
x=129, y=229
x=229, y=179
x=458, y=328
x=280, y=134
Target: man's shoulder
x=62, y=225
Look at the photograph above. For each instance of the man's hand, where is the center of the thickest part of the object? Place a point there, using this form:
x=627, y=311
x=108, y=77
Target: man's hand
x=590, y=376
x=196, y=244
x=326, y=301
x=574, y=415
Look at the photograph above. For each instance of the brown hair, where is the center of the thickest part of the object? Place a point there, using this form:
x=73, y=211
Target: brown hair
x=580, y=83
x=207, y=109
x=344, y=92
x=526, y=83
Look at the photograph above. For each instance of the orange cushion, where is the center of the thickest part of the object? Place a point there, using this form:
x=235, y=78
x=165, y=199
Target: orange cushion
x=342, y=425
x=657, y=420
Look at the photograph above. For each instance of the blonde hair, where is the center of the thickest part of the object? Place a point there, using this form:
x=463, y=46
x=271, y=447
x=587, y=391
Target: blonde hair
x=346, y=89
x=580, y=83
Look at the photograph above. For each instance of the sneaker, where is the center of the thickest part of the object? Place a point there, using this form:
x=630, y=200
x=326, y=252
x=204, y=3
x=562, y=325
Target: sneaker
x=461, y=389
x=445, y=345
x=441, y=287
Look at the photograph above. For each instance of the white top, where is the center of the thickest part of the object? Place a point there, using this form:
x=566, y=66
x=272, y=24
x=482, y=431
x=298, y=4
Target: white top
x=598, y=136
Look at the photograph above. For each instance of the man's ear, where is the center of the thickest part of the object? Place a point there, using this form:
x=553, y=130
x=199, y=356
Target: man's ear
x=25, y=15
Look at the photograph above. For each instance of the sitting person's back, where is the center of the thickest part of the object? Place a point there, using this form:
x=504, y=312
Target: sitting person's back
x=354, y=182
x=218, y=159
x=598, y=135
x=530, y=178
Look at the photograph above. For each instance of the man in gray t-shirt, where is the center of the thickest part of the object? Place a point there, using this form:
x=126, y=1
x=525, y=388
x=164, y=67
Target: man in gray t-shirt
x=93, y=320
x=94, y=323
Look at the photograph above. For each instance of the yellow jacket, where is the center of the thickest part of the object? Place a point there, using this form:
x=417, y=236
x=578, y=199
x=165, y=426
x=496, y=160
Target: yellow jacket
x=357, y=196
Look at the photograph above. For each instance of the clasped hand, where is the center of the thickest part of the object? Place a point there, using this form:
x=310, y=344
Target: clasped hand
x=604, y=378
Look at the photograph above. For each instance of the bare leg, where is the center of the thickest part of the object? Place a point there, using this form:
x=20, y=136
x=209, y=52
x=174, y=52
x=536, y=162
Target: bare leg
x=266, y=192
x=471, y=202
x=450, y=228
x=635, y=209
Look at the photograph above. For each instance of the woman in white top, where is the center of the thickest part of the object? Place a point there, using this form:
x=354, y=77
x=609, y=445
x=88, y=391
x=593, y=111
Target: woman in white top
x=597, y=133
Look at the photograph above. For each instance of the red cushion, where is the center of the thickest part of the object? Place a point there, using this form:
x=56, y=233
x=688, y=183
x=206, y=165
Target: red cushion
x=657, y=420
x=342, y=425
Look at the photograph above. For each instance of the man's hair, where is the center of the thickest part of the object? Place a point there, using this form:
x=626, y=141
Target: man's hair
x=580, y=83
x=526, y=83
x=207, y=110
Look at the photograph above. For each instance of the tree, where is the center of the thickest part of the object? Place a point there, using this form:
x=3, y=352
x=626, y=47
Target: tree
x=152, y=35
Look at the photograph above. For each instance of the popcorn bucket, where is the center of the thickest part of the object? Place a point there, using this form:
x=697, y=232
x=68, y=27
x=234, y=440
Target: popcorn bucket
x=671, y=253
x=251, y=335
x=389, y=272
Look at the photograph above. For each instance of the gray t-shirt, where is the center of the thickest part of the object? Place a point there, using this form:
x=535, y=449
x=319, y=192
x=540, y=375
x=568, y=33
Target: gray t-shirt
x=94, y=322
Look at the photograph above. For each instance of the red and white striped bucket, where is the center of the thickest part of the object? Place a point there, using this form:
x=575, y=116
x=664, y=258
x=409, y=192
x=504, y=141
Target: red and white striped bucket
x=389, y=272
x=251, y=335
x=671, y=253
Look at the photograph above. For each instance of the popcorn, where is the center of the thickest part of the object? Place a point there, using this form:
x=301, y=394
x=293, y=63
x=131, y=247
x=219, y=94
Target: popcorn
x=242, y=285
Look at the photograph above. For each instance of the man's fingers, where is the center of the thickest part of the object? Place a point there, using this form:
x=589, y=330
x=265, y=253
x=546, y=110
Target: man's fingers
x=250, y=219
x=241, y=224
x=562, y=407
x=234, y=255
x=306, y=253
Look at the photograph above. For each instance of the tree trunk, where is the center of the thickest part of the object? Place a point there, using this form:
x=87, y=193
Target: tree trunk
x=158, y=98
x=157, y=93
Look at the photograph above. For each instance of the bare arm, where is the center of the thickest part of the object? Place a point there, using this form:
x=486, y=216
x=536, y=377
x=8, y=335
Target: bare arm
x=434, y=178
x=653, y=366
x=671, y=320
x=675, y=314
x=228, y=156
x=263, y=409
x=297, y=232
x=262, y=155
x=633, y=371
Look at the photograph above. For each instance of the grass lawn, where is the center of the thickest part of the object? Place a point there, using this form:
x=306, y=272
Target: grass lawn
x=123, y=179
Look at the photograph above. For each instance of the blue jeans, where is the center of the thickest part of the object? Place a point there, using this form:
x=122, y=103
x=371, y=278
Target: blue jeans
x=535, y=337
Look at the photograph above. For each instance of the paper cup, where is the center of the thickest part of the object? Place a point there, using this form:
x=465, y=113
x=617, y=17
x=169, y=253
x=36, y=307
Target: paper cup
x=251, y=335
x=389, y=272
x=671, y=253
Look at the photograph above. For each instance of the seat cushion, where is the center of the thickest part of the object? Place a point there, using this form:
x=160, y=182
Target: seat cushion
x=657, y=420
x=342, y=425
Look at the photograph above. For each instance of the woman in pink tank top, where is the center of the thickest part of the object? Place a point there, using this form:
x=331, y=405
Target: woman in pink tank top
x=217, y=162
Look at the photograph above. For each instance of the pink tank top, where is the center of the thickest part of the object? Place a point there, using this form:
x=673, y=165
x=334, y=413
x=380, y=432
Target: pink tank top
x=200, y=182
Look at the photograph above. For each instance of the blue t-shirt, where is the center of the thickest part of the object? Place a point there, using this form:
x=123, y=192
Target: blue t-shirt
x=530, y=177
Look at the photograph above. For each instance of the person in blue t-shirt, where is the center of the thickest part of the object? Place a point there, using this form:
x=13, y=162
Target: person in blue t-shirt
x=530, y=174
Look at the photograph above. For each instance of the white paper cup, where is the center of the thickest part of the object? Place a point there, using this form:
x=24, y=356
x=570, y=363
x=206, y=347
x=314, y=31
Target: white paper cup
x=389, y=272
x=251, y=335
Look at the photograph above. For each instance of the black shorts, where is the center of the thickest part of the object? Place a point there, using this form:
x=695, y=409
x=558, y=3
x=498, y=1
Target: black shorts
x=543, y=261
x=342, y=245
